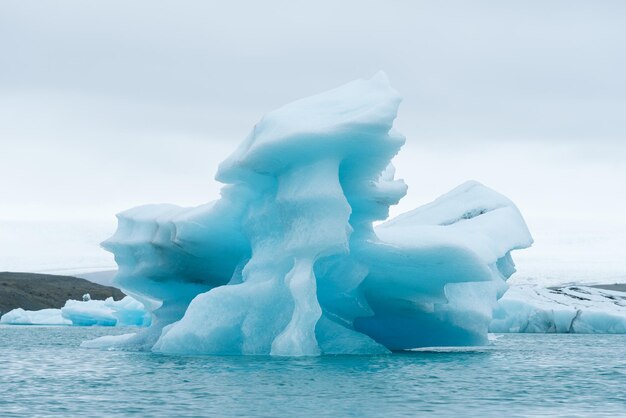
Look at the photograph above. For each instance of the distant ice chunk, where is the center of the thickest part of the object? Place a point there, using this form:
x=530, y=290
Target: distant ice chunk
x=41, y=317
x=288, y=262
x=125, y=312
x=569, y=309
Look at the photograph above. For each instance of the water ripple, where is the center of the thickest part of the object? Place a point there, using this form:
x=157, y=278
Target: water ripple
x=43, y=372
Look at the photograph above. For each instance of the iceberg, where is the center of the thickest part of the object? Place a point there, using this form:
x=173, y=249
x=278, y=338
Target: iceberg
x=109, y=312
x=88, y=312
x=41, y=317
x=567, y=309
x=288, y=261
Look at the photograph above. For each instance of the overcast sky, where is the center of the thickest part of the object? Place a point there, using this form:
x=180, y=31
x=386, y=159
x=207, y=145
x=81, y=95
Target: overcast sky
x=106, y=105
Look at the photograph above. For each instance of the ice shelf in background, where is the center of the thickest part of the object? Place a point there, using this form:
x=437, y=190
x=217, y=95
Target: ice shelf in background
x=569, y=309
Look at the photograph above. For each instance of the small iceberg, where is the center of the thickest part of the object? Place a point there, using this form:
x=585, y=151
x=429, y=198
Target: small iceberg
x=41, y=317
x=125, y=312
x=88, y=312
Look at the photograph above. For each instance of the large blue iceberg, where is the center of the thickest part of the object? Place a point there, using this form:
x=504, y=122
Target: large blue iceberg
x=288, y=261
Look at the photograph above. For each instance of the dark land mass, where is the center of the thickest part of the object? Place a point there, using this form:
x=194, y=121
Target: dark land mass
x=32, y=291
x=618, y=287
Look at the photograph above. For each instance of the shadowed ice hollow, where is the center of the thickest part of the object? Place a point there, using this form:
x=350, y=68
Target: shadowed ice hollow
x=288, y=262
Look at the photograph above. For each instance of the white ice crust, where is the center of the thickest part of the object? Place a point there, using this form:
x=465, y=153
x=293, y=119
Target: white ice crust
x=288, y=262
x=41, y=317
x=569, y=309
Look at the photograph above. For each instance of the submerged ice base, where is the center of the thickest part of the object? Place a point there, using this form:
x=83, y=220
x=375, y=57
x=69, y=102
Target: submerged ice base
x=288, y=262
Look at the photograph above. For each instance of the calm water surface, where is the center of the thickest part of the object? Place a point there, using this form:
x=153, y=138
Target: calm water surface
x=44, y=372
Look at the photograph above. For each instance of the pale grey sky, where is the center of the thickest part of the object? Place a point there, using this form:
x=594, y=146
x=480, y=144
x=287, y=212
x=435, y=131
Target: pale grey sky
x=109, y=104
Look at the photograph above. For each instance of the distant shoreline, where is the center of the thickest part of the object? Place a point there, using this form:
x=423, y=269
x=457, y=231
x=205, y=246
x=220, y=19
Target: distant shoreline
x=33, y=291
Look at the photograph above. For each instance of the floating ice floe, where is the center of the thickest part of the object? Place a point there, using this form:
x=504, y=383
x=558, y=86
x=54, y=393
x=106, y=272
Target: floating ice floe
x=125, y=312
x=88, y=312
x=569, y=309
x=41, y=317
x=288, y=262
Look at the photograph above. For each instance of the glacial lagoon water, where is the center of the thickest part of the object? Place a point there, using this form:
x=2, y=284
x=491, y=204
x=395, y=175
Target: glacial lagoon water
x=43, y=371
